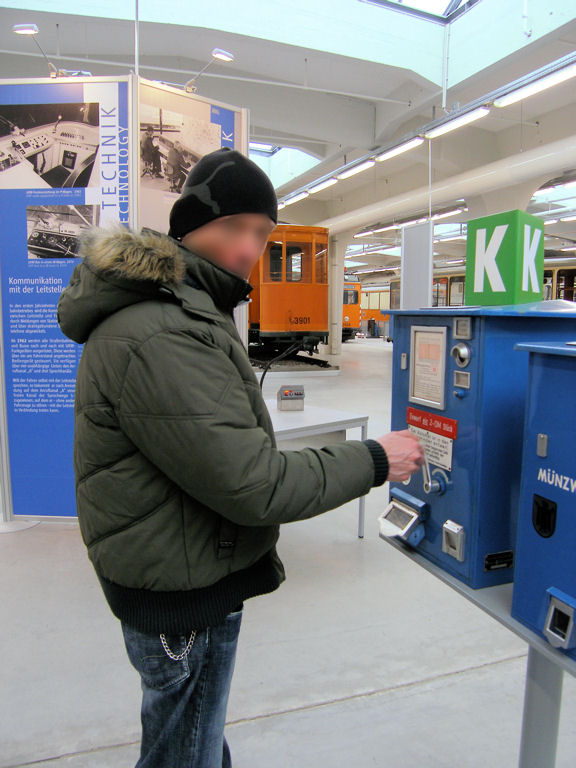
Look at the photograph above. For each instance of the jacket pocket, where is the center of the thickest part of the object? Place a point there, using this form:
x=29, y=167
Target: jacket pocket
x=148, y=657
x=227, y=535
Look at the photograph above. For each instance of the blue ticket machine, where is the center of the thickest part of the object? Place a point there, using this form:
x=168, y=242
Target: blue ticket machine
x=461, y=387
x=544, y=597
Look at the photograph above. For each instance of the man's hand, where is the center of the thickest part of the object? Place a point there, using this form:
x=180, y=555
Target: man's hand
x=405, y=454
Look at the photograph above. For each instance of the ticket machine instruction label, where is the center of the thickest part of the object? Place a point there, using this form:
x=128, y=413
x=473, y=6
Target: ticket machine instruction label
x=438, y=449
x=432, y=422
x=436, y=433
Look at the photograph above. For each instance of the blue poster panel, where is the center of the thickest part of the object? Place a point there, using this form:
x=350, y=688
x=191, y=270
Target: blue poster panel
x=64, y=167
x=225, y=119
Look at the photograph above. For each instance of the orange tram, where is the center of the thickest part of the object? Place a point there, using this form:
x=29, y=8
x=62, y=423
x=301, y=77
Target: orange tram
x=351, y=311
x=448, y=286
x=289, y=303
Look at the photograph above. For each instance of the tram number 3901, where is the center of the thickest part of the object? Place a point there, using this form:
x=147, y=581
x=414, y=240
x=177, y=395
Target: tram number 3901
x=300, y=320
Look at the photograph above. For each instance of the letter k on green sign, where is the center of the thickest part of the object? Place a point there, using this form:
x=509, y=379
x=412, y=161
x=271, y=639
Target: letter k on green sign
x=504, y=259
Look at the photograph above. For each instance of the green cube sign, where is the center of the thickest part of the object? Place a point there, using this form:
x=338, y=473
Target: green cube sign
x=504, y=259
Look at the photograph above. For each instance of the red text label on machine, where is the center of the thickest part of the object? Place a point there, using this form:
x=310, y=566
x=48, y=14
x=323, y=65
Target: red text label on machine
x=431, y=422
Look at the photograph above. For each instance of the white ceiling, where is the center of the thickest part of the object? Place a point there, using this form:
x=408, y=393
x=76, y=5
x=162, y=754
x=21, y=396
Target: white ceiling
x=333, y=106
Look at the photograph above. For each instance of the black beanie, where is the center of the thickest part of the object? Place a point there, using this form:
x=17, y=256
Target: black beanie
x=222, y=183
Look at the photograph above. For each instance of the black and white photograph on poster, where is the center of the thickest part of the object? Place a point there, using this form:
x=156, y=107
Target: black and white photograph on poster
x=48, y=145
x=54, y=231
x=170, y=145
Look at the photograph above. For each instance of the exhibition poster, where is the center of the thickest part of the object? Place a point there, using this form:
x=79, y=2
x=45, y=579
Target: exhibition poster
x=64, y=167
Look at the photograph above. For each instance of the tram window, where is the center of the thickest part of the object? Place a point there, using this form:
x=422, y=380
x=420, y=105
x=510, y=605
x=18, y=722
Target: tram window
x=439, y=291
x=374, y=300
x=565, y=279
x=350, y=296
x=394, y=294
x=456, y=296
x=321, y=262
x=273, y=273
x=299, y=263
x=548, y=285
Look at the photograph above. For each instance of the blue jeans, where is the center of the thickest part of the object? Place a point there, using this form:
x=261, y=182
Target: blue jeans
x=184, y=701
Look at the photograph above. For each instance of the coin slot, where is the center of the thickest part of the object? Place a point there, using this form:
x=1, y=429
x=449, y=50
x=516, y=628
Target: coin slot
x=544, y=512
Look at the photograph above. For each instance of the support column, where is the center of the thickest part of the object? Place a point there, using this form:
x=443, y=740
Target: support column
x=241, y=320
x=337, y=252
x=514, y=197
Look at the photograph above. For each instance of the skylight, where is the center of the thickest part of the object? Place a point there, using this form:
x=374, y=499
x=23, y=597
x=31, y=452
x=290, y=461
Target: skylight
x=437, y=7
x=441, y=8
x=283, y=163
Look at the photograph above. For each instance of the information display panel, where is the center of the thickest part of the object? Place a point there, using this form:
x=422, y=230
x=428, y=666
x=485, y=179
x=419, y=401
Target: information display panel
x=428, y=366
x=64, y=167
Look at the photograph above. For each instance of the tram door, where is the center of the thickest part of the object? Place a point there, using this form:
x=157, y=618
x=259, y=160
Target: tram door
x=565, y=284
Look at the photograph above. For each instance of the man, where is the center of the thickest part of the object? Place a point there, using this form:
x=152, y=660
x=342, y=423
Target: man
x=176, y=167
x=180, y=488
x=150, y=153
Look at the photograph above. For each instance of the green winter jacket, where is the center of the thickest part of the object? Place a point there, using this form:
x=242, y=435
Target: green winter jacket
x=180, y=487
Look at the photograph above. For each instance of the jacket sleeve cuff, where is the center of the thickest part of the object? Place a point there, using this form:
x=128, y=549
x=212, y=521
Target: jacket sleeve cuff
x=381, y=466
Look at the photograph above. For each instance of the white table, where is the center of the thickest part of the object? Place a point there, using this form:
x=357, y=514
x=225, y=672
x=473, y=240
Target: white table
x=312, y=422
x=544, y=673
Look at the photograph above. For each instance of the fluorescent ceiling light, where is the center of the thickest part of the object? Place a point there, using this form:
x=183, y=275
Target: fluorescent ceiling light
x=437, y=216
x=25, y=29
x=281, y=205
x=413, y=221
x=399, y=149
x=222, y=55
x=572, y=248
x=388, y=250
x=568, y=218
x=356, y=169
x=322, y=185
x=569, y=185
x=458, y=122
x=374, y=269
x=364, y=234
x=296, y=198
x=551, y=221
x=539, y=85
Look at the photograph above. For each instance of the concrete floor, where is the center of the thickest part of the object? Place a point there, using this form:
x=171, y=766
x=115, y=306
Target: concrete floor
x=361, y=658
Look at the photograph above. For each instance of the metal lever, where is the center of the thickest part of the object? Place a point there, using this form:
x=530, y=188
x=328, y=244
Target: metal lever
x=430, y=485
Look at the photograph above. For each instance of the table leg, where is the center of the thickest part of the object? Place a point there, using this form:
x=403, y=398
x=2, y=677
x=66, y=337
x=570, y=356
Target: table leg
x=542, y=699
x=361, y=500
x=361, y=517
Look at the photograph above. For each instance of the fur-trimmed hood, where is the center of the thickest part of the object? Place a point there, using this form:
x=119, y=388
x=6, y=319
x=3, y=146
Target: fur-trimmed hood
x=120, y=268
x=147, y=256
